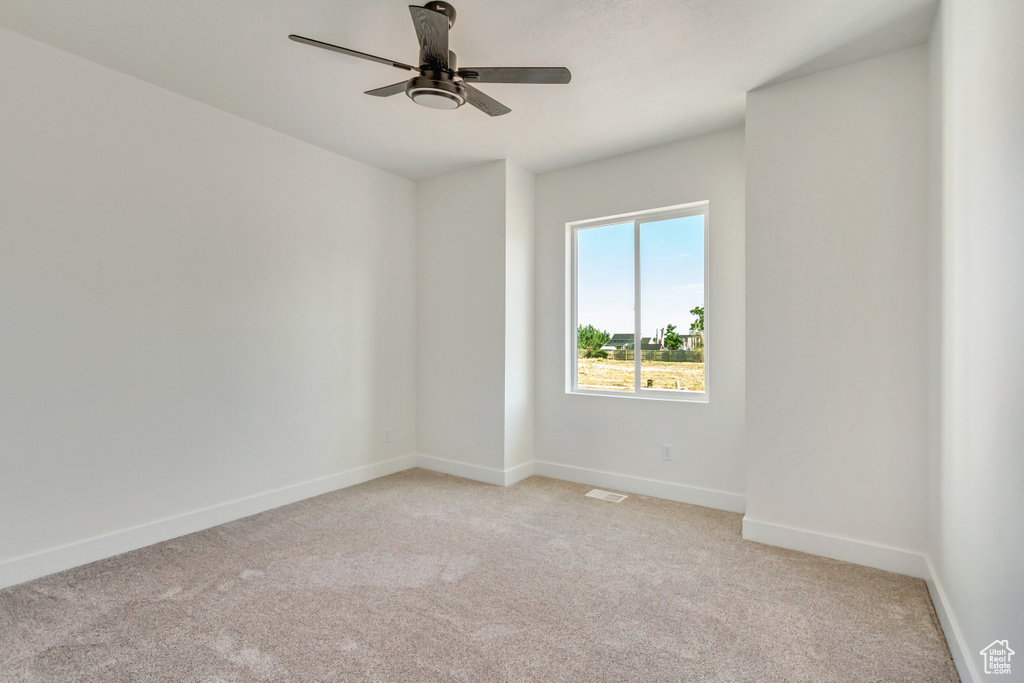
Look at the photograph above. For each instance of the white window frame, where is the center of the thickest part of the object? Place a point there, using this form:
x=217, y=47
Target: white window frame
x=572, y=323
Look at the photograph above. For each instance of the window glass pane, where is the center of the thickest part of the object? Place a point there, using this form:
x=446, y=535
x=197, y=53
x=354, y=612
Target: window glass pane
x=672, y=304
x=604, y=308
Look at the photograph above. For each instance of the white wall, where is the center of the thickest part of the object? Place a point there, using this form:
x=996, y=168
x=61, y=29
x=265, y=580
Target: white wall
x=476, y=329
x=837, y=302
x=194, y=309
x=624, y=435
x=980, y=558
x=461, y=316
x=935, y=285
x=519, y=316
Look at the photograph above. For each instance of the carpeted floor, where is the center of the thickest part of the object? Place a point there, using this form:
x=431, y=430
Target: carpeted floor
x=424, y=577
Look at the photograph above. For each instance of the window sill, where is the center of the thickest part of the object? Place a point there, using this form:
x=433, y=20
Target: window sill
x=667, y=395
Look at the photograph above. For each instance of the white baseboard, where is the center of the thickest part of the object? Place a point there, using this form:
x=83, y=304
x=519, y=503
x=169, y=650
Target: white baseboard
x=488, y=475
x=28, y=567
x=648, y=487
x=720, y=500
x=837, y=547
x=962, y=655
x=520, y=472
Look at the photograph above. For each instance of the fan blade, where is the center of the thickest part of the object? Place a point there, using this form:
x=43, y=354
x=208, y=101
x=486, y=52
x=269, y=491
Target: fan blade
x=353, y=53
x=388, y=90
x=432, y=30
x=484, y=103
x=514, y=74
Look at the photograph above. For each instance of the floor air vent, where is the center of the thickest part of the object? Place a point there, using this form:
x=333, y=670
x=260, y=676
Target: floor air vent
x=607, y=495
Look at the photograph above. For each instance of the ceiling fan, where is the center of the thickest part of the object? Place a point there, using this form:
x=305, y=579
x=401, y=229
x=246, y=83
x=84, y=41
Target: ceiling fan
x=440, y=84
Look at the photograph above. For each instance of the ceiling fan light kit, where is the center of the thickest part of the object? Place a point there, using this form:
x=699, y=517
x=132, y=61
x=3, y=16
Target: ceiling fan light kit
x=436, y=93
x=440, y=84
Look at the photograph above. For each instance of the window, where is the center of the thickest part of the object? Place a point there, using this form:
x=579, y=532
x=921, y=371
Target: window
x=638, y=287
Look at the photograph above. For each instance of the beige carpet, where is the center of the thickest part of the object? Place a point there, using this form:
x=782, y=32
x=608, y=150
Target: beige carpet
x=424, y=577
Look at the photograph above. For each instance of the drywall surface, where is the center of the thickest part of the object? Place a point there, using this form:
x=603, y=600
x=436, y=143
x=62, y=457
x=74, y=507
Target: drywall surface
x=981, y=554
x=935, y=286
x=624, y=435
x=519, y=318
x=836, y=299
x=460, y=337
x=194, y=308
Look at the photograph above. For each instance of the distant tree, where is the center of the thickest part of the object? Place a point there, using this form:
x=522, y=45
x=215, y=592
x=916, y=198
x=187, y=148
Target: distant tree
x=590, y=337
x=672, y=339
x=698, y=324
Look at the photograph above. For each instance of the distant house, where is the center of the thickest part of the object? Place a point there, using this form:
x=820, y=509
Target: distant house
x=620, y=342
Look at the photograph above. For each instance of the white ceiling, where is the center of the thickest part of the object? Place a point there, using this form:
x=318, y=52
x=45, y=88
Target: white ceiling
x=644, y=71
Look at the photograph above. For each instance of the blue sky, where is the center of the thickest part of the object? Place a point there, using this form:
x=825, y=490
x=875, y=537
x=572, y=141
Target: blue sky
x=671, y=275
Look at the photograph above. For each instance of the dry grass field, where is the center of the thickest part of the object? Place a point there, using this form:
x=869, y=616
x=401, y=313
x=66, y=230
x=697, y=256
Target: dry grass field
x=617, y=375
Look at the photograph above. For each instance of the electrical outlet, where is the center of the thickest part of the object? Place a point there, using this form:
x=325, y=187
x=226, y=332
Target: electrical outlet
x=666, y=452
x=387, y=436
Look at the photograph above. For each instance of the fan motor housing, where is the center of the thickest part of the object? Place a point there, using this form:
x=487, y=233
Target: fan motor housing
x=444, y=8
x=425, y=63
x=436, y=91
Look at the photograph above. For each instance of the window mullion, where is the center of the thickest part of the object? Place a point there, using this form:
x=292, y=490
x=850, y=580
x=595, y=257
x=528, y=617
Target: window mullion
x=574, y=357
x=636, y=306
